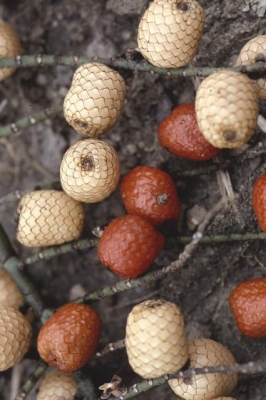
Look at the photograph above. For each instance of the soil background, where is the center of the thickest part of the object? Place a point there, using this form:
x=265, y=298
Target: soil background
x=32, y=157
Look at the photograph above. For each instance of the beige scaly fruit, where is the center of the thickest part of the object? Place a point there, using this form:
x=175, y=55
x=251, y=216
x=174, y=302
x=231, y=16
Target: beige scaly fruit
x=90, y=170
x=227, y=109
x=95, y=99
x=156, y=341
x=15, y=337
x=10, y=295
x=57, y=385
x=205, y=353
x=253, y=51
x=169, y=32
x=9, y=46
x=48, y=218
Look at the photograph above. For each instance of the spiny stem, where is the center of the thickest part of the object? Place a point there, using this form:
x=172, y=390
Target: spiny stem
x=32, y=380
x=18, y=194
x=159, y=274
x=28, y=121
x=74, y=61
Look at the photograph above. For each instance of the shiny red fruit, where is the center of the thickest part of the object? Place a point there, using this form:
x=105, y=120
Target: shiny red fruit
x=179, y=133
x=129, y=245
x=150, y=193
x=248, y=303
x=259, y=201
x=69, y=337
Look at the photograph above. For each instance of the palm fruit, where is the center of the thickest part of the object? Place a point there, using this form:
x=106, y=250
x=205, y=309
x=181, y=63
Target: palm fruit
x=227, y=109
x=90, y=170
x=49, y=217
x=15, y=337
x=129, y=245
x=9, y=46
x=169, y=32
x=254, y=51
x=95, y=99
x=156, y=341
x=69, y=337
x=204, y=353
x=10, y=295
x=57, y=386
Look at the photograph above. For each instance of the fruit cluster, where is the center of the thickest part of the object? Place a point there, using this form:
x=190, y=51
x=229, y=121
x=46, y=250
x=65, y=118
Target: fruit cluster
x=224, y=116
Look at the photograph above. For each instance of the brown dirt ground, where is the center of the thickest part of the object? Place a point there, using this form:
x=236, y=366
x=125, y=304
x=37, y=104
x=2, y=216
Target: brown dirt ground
x=201, y=288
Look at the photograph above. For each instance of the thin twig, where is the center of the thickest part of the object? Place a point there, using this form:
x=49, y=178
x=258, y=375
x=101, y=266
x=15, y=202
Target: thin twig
x=159, y=274
x=111, y=347
x=50, y=252
x=28, y=121
x=13, y=265
x=32, y=380
x=74, y=61
x=249, y=368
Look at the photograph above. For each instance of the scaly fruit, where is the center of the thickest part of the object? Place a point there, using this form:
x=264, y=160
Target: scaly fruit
x=69, y=337
x=248, y=304
x=15, y=337
x=254, y=51
x=150, y=193
x=259, y=201
x=129, y=245
x=48, y=218
x=169, y=32
x=95, y=99
x=10, y=295
x=57, y=386
x=205, y=353
x=179, y=133
x=156, y=340
x=9, y=46
x=227, y=109
x=90, y=171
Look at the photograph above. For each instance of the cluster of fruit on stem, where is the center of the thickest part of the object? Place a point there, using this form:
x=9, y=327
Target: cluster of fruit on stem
x=224, y=116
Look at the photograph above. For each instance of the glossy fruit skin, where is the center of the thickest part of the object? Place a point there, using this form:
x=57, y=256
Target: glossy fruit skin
x=259, y=201
x=248, y=304
x=69, y=337
x=179, y=133
x=129, y=245
x=150, y=193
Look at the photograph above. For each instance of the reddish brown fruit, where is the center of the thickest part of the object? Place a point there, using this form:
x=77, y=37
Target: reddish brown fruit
x=150, y=193
x=259, y=201
x=70, y=337
x=179, y=133
x=129, y=245
x=248, y=303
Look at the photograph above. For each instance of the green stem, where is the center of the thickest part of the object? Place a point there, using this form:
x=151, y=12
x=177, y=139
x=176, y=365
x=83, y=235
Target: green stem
x=51, y=60
x=13, y=265
x=31, y=120
x=50, y=252
x=18, y=194
x=232, y=237
x=85, y=385
x=84, y=244
x=32, y=380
